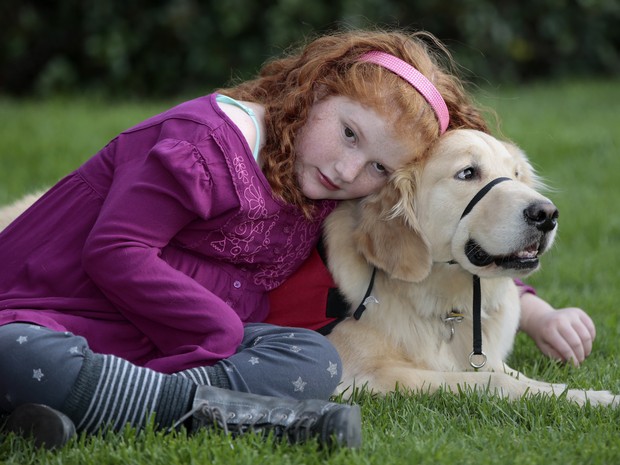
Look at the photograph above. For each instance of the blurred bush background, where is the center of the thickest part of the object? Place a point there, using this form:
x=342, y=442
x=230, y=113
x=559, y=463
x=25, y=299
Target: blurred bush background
x=158, y=48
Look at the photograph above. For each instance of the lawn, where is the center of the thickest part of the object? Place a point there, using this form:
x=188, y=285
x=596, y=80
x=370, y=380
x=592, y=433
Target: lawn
x=570, y=131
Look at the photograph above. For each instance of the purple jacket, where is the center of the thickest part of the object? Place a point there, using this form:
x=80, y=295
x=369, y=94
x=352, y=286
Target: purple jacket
x=159, y=247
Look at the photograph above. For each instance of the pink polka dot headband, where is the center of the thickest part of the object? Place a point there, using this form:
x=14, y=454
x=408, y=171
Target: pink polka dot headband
x=416, y=79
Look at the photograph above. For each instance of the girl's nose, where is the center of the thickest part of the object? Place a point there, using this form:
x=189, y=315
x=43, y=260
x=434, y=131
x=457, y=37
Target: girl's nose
x=349, y=168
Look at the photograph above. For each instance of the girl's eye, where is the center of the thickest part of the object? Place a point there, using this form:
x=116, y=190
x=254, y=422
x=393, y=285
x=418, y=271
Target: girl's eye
x=379, y=167
x=467, y=174
x=348, y=133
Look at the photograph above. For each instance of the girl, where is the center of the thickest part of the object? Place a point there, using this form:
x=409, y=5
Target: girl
x=135, y=288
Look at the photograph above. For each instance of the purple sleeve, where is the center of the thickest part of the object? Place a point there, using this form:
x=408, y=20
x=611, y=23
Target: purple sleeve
x=524, y=288
x=148, y=203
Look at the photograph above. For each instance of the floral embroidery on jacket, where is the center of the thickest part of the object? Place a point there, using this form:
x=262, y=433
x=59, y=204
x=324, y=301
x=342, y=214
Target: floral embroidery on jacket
x=259, y=215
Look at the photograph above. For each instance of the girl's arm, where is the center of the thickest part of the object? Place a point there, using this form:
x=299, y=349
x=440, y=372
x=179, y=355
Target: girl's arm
x=149, y=202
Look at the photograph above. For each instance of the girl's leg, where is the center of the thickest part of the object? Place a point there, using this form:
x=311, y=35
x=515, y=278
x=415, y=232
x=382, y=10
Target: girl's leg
x=37, y=363
x=277, y=361
x=58, y=369
x=103, y=391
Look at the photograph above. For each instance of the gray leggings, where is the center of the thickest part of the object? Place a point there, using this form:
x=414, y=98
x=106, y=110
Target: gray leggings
x=40, y=365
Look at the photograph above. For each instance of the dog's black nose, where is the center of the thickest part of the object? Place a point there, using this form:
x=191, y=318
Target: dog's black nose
x=543, y=215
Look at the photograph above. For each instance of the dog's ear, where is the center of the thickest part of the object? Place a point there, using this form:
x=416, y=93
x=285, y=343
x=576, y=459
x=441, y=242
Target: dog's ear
x=387, y=233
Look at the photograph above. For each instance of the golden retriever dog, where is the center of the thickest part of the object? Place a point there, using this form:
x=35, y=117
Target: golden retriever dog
x=470, y=209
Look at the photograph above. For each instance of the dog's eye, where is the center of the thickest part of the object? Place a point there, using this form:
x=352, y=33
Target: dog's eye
x=467, y=174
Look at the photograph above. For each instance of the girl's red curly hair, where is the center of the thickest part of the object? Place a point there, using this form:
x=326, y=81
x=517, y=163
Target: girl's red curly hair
x=288, y=86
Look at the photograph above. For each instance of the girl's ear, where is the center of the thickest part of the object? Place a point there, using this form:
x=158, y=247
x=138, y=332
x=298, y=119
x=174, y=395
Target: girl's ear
x=387, y=233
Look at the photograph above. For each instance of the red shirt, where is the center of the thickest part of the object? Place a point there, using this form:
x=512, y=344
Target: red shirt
x=302, y=301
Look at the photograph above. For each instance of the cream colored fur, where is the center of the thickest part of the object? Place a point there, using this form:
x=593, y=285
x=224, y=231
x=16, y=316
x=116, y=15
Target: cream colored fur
x=409, y=231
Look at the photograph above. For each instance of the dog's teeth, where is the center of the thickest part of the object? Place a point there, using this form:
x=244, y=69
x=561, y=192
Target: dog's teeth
x=526, y=254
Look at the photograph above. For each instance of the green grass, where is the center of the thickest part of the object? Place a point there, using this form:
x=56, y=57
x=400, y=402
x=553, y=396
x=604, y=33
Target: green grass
x=570, y=131
x=41, y=141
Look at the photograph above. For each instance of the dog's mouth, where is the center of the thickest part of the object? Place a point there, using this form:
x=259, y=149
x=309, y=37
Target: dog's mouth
x=525, y=259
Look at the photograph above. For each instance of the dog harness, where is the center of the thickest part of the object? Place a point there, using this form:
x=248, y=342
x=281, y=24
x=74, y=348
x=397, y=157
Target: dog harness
x=477, y=352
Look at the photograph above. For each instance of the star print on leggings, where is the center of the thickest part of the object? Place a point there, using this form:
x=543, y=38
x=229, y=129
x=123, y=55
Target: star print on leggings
x=332, y=369
x=299, y=385
x=37, y=374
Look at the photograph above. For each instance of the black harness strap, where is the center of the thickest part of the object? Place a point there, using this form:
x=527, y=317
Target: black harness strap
x=337, y=306
x=477, y=323
x=477, y=294
x=481, y=193
x=362, y=307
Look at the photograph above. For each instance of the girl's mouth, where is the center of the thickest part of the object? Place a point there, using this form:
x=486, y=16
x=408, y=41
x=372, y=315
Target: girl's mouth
x=327, y=183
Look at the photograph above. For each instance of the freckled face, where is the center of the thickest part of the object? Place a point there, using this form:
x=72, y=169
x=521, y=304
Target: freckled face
x=346, y=150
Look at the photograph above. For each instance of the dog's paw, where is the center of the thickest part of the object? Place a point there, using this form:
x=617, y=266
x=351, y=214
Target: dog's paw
x=594, y=397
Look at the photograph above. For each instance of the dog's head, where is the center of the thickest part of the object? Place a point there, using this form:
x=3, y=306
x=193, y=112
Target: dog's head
x=420, y=218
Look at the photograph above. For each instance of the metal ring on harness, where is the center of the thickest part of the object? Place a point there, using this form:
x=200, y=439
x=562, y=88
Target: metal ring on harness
x=482, y=362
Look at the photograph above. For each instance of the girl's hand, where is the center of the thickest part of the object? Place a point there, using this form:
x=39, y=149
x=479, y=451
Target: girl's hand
x=565, y=334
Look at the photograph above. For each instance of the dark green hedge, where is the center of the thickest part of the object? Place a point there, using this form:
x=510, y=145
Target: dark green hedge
x=158, y=47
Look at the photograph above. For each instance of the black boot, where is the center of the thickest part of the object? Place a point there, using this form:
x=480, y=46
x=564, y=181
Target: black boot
x=296, y=421
x=47, y=427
